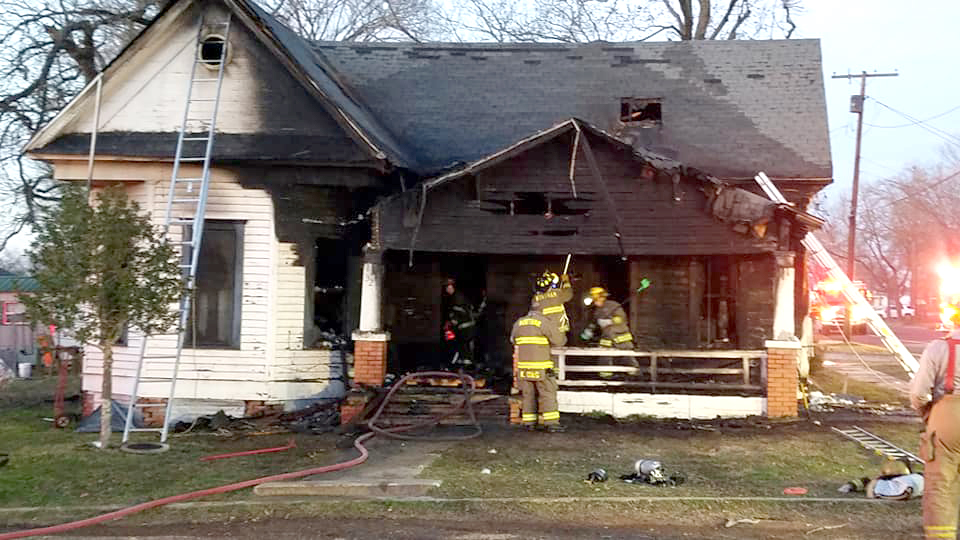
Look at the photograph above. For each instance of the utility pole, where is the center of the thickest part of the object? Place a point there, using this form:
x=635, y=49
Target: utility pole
x=856, y=107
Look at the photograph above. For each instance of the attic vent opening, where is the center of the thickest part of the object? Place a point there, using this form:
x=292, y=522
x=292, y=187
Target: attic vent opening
x=213, y=50
x=641, y=112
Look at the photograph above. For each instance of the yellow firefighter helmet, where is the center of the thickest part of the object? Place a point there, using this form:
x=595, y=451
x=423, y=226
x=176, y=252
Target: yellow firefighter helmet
x=598, y=292
x=895, y=468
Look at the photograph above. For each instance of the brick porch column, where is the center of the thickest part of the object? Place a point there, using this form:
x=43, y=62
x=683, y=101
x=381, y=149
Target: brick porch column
x=369, y=340
x=782, y=380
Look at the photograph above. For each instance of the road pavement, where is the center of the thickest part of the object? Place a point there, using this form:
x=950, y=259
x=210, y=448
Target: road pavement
x=914, y=335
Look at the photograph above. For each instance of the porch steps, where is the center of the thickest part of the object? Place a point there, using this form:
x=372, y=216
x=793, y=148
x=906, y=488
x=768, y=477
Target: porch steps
x=415, y=404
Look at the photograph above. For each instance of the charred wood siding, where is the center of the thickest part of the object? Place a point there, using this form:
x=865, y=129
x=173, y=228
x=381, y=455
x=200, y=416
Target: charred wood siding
x=503, y=210
x=756, y=282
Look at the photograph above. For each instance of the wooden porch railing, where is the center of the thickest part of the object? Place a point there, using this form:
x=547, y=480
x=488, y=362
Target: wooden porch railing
x=744, y=364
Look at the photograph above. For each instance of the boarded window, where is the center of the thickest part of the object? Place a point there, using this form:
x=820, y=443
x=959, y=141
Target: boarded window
x=215, y=316
x=641, y=112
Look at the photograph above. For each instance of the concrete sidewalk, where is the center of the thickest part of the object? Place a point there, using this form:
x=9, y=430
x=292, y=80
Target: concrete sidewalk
x=392, y=470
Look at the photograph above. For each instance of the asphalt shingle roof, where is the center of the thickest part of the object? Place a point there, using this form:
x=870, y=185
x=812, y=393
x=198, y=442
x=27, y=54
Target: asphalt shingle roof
x=729, y=107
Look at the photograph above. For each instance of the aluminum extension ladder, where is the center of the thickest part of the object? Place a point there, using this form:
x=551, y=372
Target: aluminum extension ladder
x=187, y=196
x=820, y=255
x=876, y=444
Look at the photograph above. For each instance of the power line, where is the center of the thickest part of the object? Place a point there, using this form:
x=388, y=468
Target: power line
x=924, y=121
x=952, y=139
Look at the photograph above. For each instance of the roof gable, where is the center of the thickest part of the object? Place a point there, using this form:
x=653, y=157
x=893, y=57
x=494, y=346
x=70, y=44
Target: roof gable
x=293, y=98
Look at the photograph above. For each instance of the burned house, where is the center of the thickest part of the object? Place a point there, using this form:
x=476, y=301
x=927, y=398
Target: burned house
x=351, y=180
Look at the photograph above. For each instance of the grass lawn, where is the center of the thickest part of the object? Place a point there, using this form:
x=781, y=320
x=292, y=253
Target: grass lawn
x=751, y=462
x=51, y=467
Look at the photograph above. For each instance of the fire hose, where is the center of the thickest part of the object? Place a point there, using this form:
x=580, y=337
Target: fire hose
x=395, y=432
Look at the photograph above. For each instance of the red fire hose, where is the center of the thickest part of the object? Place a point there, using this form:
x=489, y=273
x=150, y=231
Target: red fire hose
x=468, y=387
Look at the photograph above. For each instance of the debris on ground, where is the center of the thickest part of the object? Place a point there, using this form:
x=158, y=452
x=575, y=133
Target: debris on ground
x=744, y=521
x=820, y=402
x=330, y=341
x=486, y=471
x=319, y=418
x=795, y=490
x=4, y=459
x=825, y=528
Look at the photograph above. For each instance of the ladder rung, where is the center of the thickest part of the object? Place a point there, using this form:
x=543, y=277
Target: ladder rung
x=191, y=199
x=192, y=159
x=205, y=80
x=202, y=99
x=188, y=180
x=196, y=138
x=146, y=430
x=148, y=405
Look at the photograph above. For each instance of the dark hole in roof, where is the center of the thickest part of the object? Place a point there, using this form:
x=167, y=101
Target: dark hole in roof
x=712, y=81
x=645, y=112
x=756, y=76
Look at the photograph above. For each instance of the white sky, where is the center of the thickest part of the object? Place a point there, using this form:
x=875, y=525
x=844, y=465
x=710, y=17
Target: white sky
x=919, y=40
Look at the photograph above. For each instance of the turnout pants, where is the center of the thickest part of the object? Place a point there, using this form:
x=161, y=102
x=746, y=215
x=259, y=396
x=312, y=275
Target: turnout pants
x=539, y=389
x=940, y=450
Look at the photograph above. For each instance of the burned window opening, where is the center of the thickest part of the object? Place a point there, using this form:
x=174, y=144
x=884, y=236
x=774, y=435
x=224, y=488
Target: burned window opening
x=561, y=232
x=330, y=285
x=641, y=112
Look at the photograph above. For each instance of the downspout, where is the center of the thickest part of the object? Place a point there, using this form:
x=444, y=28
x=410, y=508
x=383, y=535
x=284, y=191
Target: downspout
x=416, y=230
x=93, y=131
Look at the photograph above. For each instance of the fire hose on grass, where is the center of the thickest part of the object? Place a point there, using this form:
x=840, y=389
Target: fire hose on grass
x=394, y=432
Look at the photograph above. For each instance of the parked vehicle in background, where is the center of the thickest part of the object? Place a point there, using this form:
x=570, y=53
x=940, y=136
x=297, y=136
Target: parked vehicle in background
x=828, y=307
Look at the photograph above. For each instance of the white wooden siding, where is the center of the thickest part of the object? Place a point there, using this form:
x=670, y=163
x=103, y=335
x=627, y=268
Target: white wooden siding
x=271, y=362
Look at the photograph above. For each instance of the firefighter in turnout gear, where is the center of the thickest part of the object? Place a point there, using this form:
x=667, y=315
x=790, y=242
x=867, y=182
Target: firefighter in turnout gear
x=551, y=292
x=459, y=324
x=934, y=393
x=532, y=336
x=612, y=320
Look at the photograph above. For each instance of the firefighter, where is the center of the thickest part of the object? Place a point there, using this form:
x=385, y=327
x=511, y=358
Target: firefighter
x=459, y=324
x=551, y=292
x=532, y=336
x=933, y=394
x=611, y=319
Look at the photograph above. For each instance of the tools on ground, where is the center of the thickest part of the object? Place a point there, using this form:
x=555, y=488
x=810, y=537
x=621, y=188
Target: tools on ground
x=652, y=472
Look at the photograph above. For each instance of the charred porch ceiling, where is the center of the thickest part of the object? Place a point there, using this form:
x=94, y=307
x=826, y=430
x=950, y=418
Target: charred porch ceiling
x=575, y=189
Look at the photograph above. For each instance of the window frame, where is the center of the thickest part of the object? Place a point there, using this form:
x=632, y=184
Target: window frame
x=237, y=227
x=6, y=313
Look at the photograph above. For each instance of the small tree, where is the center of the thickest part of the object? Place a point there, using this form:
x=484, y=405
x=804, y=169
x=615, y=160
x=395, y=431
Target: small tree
x=102, y=268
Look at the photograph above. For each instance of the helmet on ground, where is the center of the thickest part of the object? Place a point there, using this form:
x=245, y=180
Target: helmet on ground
x=895, y=468
x=597, y=475
x=598, y=292
x=546, y=281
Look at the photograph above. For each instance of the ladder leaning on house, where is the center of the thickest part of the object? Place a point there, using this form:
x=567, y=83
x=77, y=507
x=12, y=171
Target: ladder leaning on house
x=186, y=204
x=820, y=255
